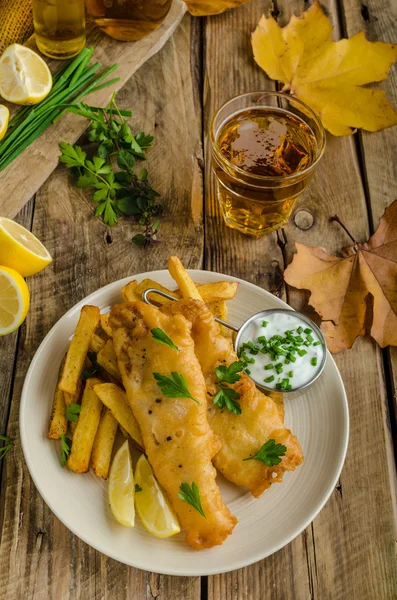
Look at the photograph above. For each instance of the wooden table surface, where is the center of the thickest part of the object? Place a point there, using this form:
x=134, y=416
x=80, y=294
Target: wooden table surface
x=348, y=552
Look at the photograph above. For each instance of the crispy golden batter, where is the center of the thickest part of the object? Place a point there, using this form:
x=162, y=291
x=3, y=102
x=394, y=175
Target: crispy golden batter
x=178, y=439
x=261, y=419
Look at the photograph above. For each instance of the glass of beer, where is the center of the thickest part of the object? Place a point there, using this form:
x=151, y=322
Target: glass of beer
x=59, y=27
x=265, y=148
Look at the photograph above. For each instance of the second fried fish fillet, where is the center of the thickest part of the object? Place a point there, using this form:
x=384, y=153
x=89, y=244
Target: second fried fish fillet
x=178, y=440
x=261, y=419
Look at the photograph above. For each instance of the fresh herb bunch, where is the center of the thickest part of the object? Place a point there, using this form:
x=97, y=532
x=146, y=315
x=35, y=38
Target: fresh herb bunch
x=110, y=171
x=74, y=81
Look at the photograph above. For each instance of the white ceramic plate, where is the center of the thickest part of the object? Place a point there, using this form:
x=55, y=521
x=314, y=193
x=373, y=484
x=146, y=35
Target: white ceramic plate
x=319, y=419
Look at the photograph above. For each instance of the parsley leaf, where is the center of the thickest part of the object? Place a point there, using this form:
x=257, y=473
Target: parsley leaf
x=137, y=488
x=191, y=495
x=4, y=450
x=230, y=374
x=66, y=444
x=226, y=397
x=72, y=411
x=93, y=370
x=161, y=337
x=269, y=453
x=174, y=386
x=116, y=192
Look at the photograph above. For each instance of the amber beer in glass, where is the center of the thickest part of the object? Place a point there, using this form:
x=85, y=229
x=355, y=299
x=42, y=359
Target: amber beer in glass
x=59, y=27
x=265, y=148
x=128, y=20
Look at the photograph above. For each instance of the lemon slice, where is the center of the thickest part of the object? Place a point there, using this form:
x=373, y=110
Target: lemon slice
x=152, y=505
x=24, y=76
x=4, y=116
x=20, y=249
x=122, y=487
x=14, y=300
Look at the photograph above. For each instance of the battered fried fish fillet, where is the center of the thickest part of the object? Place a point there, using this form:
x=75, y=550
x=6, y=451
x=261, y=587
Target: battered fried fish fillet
x=261, y=418
x=178, y=440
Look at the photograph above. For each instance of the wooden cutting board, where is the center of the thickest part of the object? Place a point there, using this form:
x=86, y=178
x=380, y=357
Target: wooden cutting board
x=23, y=177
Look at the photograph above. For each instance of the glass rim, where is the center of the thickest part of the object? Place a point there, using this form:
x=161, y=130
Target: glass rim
x=254, y=176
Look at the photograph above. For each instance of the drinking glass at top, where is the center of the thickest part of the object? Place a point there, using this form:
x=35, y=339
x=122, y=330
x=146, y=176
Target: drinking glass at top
x=265, y=148
x=59, y=27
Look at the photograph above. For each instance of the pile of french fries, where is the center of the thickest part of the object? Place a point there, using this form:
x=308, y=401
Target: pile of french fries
x=104, y=407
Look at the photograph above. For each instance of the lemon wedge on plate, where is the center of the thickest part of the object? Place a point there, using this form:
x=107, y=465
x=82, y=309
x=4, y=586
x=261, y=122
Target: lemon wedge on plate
x=152, y=505
x=122, y=487
x=24, y=76
x=4, y=116
x=20, y=249
x=14, y=300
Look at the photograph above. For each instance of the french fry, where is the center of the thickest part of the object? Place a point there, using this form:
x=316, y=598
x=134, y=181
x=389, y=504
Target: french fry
x=220, y=311
x=116, y=400
x=128, y=292
x=58, y=422
x=103, y=444
x=183, y=280
x=123, y=431
x=149, y=283
x=104, y=320
x=73, y=398
x=96, y=343
x=87, y=425
x=78, y=348
x=108, y=360
x=217, y=291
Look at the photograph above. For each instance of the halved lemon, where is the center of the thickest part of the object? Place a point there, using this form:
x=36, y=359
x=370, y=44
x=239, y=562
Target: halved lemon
x=4, y=116
x=24, y=76
x=20, y=249
x=14, y=300
x=152, y=505
x=122, y=487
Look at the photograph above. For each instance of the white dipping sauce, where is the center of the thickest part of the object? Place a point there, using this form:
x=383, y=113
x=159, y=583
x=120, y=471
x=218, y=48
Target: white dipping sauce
x=298, y=372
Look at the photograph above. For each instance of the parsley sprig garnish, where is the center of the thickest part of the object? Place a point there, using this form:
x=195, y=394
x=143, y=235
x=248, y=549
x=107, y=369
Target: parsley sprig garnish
x=93, y=370
x=269, y=453
x=230, y=374
x=72, y=411
x=4, y=450
x=161, y=337
x=117, y=191
x=191, y=495
x=137, y=488
x=226, y=397
x=174, y=386
x=66, y=444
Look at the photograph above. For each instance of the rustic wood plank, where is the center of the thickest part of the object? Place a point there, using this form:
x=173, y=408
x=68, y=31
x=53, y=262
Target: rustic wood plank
x=229, y=69
x=377, y=20
x=39, y=164
x=8, y=344
x=360, y=513
x=39, y=558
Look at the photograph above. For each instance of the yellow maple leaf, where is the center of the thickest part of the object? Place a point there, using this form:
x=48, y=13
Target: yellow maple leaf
x=200, y=8
x=328, y=75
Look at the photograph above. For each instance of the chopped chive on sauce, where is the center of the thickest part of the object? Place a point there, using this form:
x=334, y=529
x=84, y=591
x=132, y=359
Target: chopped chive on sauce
x=287, y=351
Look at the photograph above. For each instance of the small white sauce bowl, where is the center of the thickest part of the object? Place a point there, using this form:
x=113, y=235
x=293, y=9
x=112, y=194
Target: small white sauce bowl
x=306, y=321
